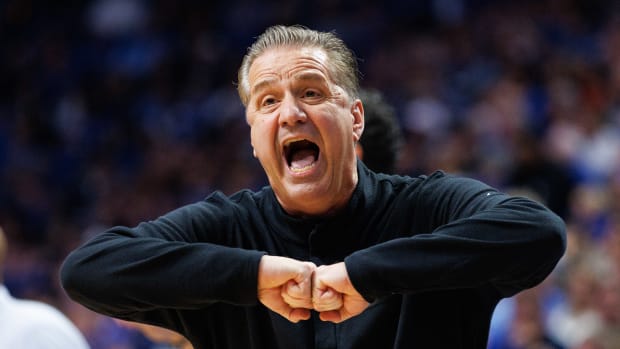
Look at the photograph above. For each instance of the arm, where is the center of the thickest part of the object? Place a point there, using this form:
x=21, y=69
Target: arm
x=465, y=235
x=184, y=260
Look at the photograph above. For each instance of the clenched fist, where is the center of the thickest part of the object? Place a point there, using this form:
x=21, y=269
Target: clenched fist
x=334, y=296
x=285, y=286
x=292, y=288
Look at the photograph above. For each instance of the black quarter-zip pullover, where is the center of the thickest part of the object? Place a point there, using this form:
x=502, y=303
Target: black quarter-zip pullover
x=433, y=254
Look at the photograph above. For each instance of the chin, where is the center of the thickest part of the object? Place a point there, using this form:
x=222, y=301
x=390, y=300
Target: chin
x=307, y=200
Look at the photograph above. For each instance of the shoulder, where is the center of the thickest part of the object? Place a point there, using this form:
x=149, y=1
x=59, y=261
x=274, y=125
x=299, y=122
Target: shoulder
x=407, y=183
x=440, y=181
x=218, y=200
x=215, y=211
x=41, y=325
x=37, y=313
x=242, y=203
x=245, y=198
x=436, y=188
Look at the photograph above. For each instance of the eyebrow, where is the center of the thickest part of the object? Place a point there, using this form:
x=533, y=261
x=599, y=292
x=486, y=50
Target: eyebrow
x=261, y=85
x=309, y=76
x=306, y=76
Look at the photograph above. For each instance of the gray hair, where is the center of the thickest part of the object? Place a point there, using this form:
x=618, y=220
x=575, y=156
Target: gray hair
x=343, y=67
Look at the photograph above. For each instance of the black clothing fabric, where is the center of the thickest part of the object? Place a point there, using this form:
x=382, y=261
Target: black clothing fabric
x=433, y=254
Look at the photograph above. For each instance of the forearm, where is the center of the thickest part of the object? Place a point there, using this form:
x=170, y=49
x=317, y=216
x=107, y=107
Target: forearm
x=512, y=246
x=116, y=273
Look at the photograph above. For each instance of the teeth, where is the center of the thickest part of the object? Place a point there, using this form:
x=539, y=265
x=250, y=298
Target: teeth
x=288, y=142
x=301, y=169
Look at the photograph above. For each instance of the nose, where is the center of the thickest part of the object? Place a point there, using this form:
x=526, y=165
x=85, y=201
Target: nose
x=291, y=112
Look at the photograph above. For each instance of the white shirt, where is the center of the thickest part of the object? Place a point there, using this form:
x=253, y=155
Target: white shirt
x=28, y=324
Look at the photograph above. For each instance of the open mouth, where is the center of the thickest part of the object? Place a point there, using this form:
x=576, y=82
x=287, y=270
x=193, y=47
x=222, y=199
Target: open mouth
x=301, y=155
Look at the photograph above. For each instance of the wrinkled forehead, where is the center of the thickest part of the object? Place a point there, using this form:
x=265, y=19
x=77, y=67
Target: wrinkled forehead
x=294, y=63
x=286, y=59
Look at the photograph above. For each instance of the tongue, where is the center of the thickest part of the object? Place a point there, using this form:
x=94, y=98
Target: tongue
x=302, y=158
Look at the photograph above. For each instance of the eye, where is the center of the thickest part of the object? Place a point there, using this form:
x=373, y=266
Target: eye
x=311, y=95
x=268, y=101
x=266, y=104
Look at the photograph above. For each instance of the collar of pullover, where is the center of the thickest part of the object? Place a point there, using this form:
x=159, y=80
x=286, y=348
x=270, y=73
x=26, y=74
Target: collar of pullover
x=337, y=231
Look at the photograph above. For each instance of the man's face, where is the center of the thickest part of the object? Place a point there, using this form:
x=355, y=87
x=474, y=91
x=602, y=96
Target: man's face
x=303, y=129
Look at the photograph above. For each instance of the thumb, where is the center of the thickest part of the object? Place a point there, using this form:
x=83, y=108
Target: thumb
x=324, y=297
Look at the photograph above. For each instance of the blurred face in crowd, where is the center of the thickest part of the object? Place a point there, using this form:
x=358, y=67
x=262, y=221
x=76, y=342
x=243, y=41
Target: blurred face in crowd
x=304, y=127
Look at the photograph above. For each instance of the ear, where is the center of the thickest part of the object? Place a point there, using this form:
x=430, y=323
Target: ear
x=253, y=152
x=357, y=113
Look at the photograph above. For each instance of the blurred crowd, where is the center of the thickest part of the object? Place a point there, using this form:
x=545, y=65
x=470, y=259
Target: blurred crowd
x=116, y=111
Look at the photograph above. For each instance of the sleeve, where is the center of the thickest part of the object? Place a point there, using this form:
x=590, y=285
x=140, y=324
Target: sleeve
x=465, y=235
x=186, y=259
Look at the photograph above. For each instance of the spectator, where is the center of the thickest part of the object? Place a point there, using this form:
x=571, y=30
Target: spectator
x=381, y=142
x=29, y=324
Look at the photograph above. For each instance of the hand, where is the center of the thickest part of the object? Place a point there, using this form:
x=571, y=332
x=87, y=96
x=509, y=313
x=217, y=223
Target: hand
x=334, y=296
x=285, y=286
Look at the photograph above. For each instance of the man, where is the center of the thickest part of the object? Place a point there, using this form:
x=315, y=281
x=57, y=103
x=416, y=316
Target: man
x=378, y=148
x=29, y=324
x=330, y=254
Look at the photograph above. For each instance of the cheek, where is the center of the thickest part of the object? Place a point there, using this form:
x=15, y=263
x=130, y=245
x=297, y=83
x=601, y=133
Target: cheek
x=255, y=139
x=340, y=126
x=261, y=136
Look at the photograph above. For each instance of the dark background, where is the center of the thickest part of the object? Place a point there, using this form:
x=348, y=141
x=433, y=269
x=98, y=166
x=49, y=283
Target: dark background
x=116, y=111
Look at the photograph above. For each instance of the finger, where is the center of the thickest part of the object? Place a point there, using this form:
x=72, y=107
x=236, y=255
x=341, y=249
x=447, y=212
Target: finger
x=324, y=297
x=328, y=300
x=272, y=300
x=297, y=295
x=318, y=287
x=306, y=273
x=297, y=292
x=334, y=316
x=298, y=314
